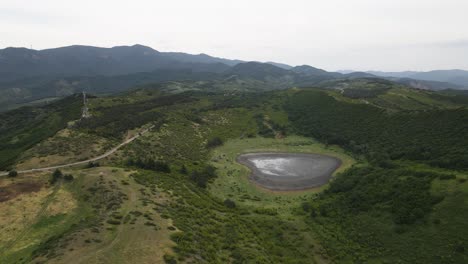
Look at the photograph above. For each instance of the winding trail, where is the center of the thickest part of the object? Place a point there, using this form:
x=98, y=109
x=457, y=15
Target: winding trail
x=108, y=153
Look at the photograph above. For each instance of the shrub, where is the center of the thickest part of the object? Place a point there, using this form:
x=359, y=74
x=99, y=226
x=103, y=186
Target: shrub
x=92, y=164
x=266, y=211
x=169, y=259
x=150, y=164
x=177, y=236
x=229, y=203
x=113, y=222
x=56, y=175
x=12, y=173
x=202, y=178
x=68, y=177
x=183, y=170
x=447, y=177
x=459, y=247
x=214, y=142
x=162, y=166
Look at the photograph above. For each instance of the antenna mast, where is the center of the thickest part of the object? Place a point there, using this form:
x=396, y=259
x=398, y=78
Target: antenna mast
x=85, y=110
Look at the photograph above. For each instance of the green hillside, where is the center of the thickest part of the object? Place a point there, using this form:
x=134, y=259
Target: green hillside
x=23, y=128
x=393, y=209
x=175, y=194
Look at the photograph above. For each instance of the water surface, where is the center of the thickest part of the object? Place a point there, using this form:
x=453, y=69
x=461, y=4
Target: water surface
x=289, y=171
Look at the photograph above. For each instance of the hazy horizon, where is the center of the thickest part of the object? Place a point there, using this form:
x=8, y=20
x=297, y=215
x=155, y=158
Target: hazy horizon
x=358, y=35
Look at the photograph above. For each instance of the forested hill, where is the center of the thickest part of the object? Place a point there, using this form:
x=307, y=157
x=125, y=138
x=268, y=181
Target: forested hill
x=17, y=63
x=406, y=202
x=22, y=128
x=28, y=75
x=436, y=137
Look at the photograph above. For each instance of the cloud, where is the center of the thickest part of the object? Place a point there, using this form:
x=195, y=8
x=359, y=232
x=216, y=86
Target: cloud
x=31, y=17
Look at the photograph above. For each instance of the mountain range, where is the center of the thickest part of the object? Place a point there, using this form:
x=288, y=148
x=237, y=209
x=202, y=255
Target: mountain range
x=27, y=75
x=17, y=63
x=457, y=77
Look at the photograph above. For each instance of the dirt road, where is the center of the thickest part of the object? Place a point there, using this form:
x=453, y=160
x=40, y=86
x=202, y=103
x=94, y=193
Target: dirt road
x=108, y=153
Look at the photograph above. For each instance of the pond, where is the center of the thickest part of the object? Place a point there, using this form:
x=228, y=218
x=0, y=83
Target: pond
x=289, y=171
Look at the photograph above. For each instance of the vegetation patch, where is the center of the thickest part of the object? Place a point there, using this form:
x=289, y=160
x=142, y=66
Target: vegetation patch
x=22, y=128
x=233, y=178
x=381, y=136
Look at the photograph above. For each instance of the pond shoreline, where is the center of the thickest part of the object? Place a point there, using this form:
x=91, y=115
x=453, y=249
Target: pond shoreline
x=324, y=166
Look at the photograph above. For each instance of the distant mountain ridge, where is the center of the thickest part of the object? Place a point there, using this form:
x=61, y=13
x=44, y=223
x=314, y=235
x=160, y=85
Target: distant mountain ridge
x=79, y=60
x=27, y=75
x=17, y=63
x=457, y=77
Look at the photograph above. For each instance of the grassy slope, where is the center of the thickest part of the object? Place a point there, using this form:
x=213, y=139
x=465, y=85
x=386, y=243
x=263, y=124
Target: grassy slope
x=81, y=231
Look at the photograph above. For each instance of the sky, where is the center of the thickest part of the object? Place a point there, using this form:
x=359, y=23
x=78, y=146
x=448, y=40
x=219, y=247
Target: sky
x=387, y=35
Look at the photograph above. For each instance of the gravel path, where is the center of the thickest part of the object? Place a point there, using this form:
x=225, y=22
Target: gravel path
x=84, y=161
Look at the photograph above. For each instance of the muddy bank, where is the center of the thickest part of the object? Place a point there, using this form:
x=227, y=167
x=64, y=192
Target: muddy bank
x=289, y=171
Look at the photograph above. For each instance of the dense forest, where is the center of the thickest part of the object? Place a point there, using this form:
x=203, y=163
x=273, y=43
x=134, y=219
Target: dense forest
x=436, y=137
x=388, y=208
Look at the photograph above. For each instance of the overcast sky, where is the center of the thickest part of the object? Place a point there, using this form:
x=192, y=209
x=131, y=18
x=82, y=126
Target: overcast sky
x=391, y=35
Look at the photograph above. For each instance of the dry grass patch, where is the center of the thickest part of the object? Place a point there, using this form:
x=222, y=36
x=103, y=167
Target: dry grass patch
x=62, y=203
x=20, y=213
x=27, y=205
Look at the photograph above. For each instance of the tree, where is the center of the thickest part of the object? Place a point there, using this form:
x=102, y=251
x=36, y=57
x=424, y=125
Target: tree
x=210, y=171
x=306, y=206
x=183, y=170
x=198, y=178
x=229, y=203
x=162, y=166
x=313, y=213
x=214, y=142
x=92, y=164
x=202, y=178
x=56, y=175
x=12, y=173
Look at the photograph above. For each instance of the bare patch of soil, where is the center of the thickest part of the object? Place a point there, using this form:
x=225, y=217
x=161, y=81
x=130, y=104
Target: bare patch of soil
x=11, y=191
